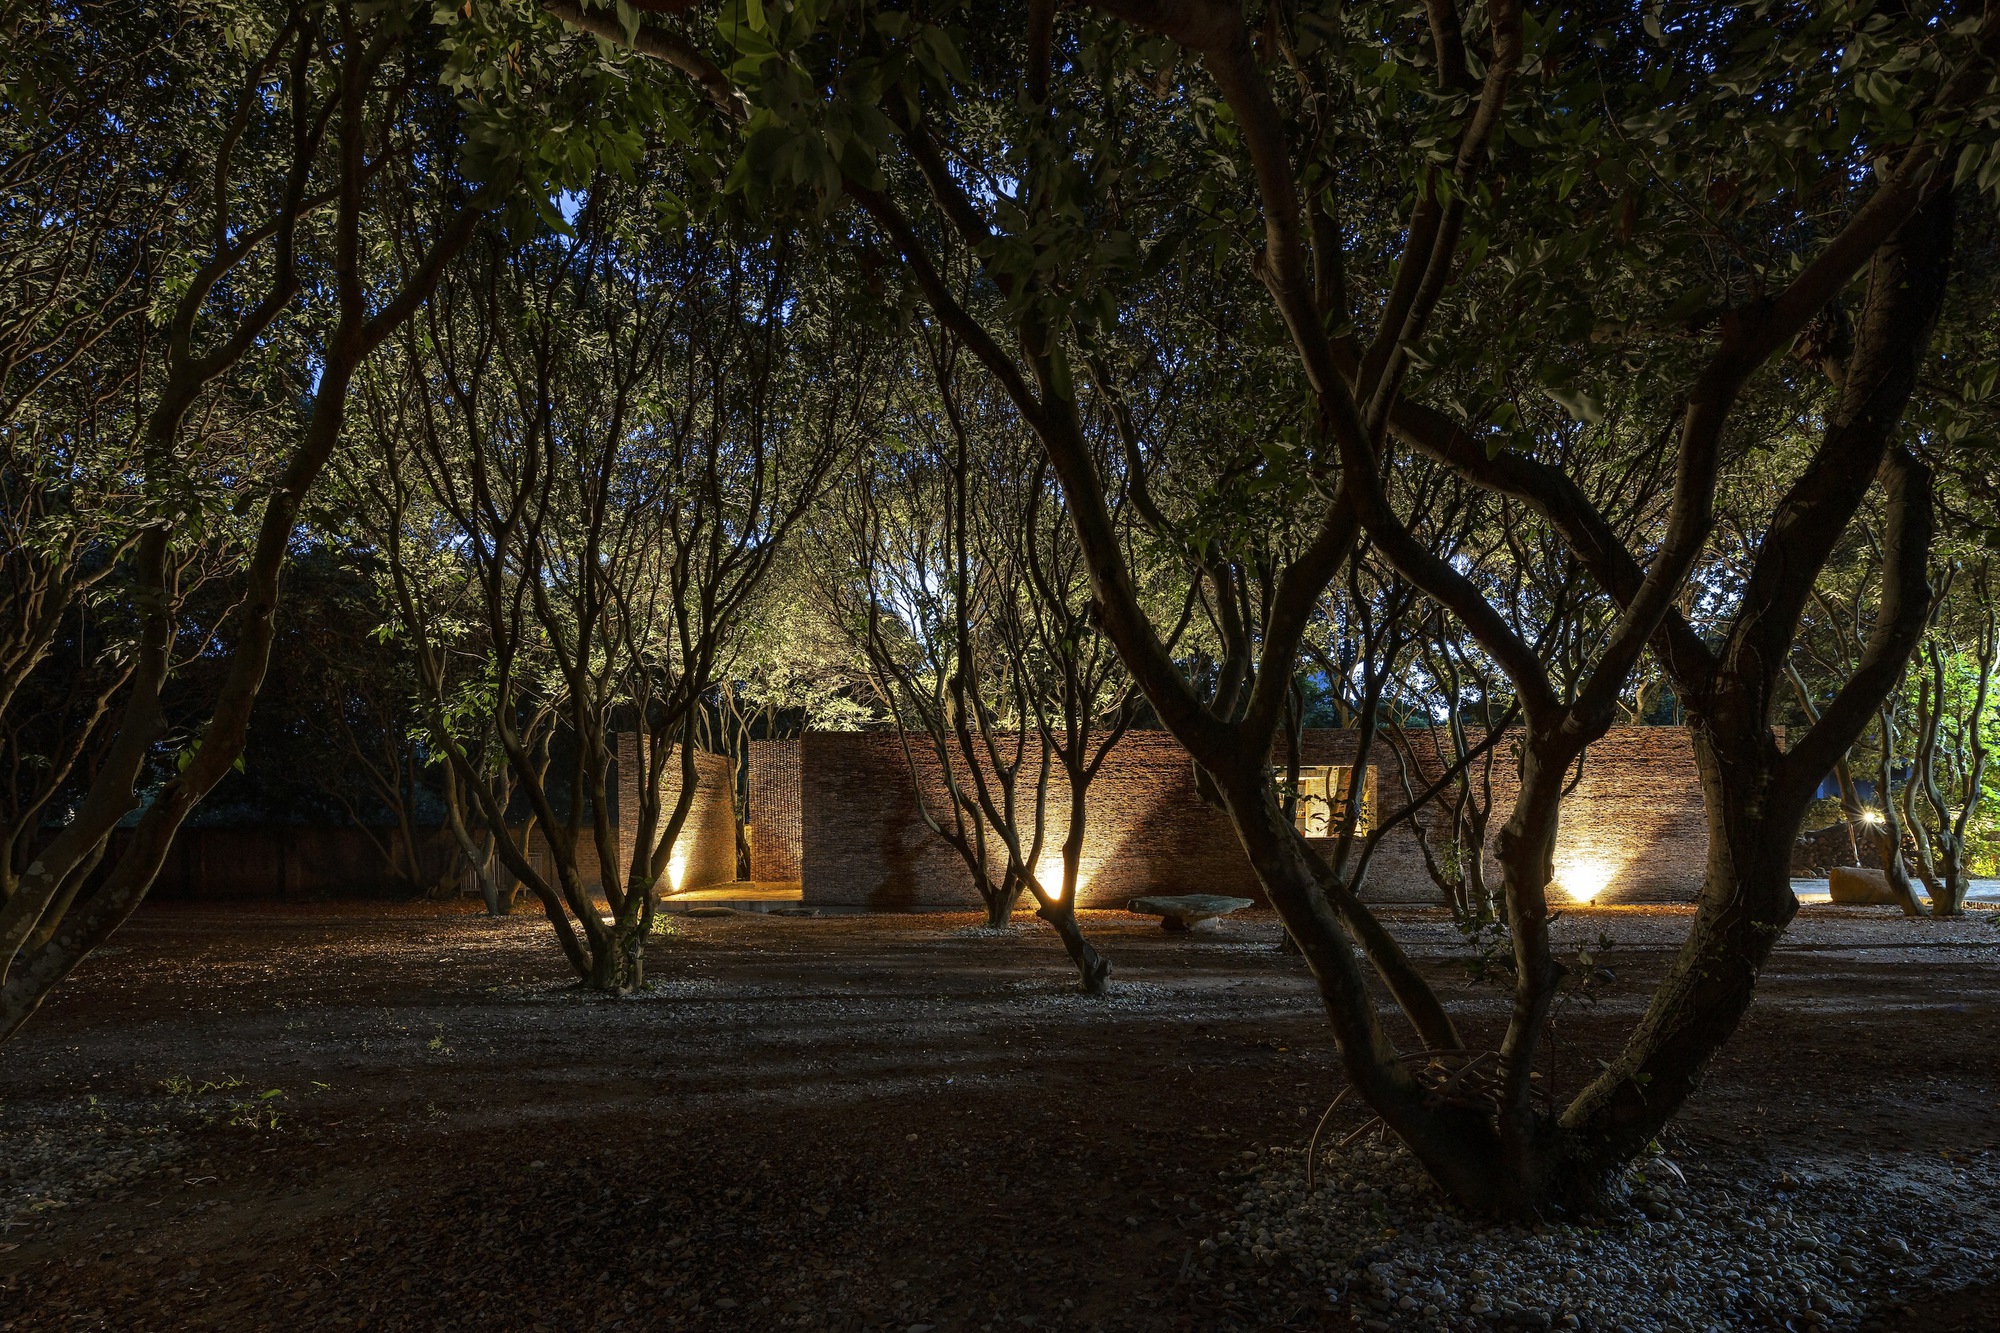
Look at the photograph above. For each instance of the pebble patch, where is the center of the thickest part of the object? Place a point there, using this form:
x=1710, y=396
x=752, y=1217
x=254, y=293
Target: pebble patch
x=1694, y=1247
x=49, y=1166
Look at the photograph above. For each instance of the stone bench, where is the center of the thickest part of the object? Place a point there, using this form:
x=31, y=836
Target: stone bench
x=1180, y=912
x=1851, y=886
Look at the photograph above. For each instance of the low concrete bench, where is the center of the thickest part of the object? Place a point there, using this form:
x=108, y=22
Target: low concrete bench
x=1180, y=912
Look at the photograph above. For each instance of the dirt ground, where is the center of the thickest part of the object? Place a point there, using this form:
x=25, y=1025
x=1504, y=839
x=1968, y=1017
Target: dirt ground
x=349, y=1116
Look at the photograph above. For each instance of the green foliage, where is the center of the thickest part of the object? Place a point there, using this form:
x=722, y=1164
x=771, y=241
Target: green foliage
x=546, y=112
x=216, y=1101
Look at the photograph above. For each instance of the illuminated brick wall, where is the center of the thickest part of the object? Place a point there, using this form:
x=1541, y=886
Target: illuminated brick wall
x=1633, y=830
x=775, y=831
x=705, y=852
x=865, y=843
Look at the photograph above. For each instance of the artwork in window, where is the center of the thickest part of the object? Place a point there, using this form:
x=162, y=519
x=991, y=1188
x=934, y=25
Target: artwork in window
x=1323, y=800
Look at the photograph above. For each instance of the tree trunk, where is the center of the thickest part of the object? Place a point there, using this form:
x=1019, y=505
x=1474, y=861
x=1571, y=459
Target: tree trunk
x=1093, y=969
x=1000, y=903
x=1954, y=882
x=500, y=897
x=739, y=812
x=1526, y=846
x=1754, y=793
x=618, y=965
x=66, y=896
x=1457, y=1144
x=1894, y=868
x=1745, y=904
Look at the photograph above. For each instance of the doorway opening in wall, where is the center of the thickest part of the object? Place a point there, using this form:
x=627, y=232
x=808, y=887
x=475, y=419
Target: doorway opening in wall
x=1323, y=800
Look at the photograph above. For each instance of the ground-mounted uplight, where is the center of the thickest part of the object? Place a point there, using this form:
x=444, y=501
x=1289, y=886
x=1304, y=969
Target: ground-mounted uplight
x=1871, y=816
x=677, y=867
x=1582, y=881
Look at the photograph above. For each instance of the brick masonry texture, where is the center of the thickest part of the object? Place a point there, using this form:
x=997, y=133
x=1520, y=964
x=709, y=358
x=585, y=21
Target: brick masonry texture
x=865, y=844
x=1633, y=831
x=705, y=853
x=775, y=832
x=1635, y=820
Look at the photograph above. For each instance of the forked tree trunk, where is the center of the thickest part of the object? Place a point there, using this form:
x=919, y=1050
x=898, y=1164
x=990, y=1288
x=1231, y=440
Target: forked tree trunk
x=1457, y=1144
x=1948, y=842
x=1746, y=900
x=497, y=888
x=499, y=900
x=1889, y=834
x=616, y=952
x=618, y=964
x=1000, y=900
x=1954, y=885
x=481, y=859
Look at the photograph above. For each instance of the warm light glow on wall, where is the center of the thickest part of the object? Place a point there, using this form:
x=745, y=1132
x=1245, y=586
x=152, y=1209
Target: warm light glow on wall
x=1582, y=881
x=677, y=866
x=1050, y=873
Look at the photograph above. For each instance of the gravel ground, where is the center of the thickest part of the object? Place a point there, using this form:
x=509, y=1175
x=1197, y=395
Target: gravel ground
x=345, y=1116
x=60, y=1162
x=1724, y=1244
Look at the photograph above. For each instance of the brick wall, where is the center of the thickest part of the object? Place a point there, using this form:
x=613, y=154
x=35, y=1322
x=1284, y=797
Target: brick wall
x=1633, y=830
x=1396, y=872
x=864, y=842
x=544, y=861
x=705, y=852
x=775, y=831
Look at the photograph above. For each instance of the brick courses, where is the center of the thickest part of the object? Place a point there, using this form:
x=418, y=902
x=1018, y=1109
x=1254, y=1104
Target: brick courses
x=1634, y=822
x=775, y=830
x=864, y=842
x=1633, y=830
x=705, y=852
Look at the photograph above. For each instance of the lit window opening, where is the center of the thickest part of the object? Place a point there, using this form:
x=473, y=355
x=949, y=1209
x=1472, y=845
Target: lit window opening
x=1323, y=800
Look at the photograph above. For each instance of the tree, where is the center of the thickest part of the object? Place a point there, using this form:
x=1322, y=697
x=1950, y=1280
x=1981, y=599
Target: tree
x=1353, y=166
x=610, y=432
x=1954, y=717
x=963, y=589
x=1463, y=683
x=337, y=724
x=406, y=547
x=295, y=110
x=898, y=567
